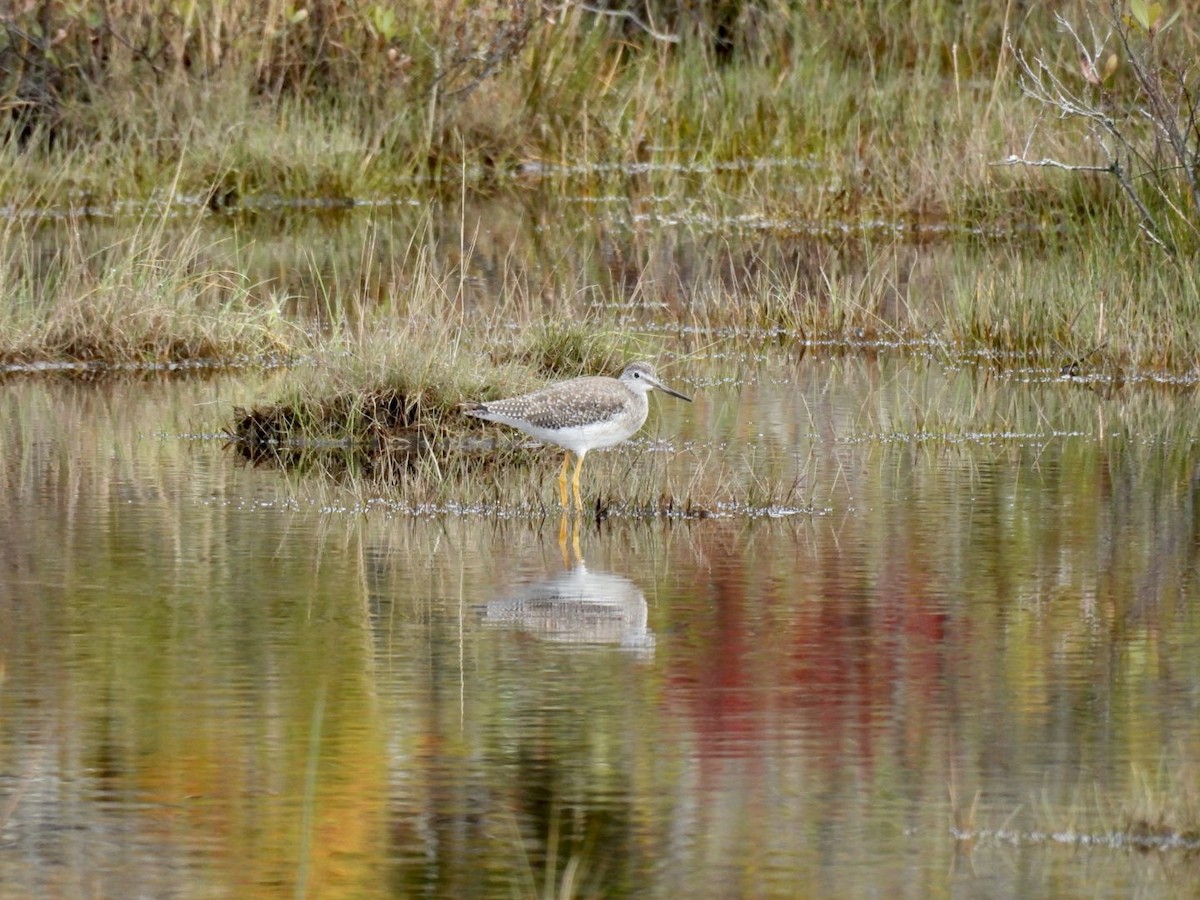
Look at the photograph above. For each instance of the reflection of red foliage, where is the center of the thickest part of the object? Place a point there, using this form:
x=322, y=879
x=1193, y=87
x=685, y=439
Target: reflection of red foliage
x=714, y=679
x=833, y=656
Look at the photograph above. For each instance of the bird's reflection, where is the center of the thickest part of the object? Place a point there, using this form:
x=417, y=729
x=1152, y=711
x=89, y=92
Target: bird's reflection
x=577, y=606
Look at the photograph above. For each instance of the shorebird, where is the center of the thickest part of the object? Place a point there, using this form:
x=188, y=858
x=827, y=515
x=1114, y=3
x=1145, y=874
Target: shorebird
x=580, y=414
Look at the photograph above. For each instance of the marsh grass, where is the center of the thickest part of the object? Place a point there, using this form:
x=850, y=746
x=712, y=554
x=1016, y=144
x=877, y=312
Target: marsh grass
x=1161, y=812
x=382, y=404
x=1165, y=805
x=893, y=116
x=903, y=107
x=1087, y=306
x=849, y=134
x=559, y=349
x=406, y=432
x=148, y=299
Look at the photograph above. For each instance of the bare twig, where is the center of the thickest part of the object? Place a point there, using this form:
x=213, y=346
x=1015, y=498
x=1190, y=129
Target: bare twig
x=1135, y=157
x=627, y=14
x=1046, y=162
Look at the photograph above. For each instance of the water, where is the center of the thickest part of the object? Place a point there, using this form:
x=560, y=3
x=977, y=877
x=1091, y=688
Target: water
x=954, y=674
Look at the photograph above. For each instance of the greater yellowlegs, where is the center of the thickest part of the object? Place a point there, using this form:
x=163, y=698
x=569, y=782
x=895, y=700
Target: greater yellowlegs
x=579, y=415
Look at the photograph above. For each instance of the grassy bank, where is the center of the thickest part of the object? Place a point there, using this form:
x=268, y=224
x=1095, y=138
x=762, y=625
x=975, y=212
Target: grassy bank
x=371, y=296
x=904, y=108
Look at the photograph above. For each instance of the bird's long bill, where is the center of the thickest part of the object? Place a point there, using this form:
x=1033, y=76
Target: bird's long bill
x=666, y=390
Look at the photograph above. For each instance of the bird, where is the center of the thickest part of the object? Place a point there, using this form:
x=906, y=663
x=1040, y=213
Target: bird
x=581, y=414
x=578, y=607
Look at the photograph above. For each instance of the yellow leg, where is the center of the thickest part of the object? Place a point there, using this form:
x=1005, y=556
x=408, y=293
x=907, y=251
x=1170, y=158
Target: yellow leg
x=562, y=479
x=575, y=540
x=575, y=481
x=562, y=540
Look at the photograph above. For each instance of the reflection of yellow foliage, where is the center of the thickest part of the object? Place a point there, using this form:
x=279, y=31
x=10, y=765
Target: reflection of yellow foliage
x=235, y=779
x=238, y=777
x=193, y=678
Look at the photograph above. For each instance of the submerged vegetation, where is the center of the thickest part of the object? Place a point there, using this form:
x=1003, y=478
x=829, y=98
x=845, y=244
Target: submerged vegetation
x=1160, y=814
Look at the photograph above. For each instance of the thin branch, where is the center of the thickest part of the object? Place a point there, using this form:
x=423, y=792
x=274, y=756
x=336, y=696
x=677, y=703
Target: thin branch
x=1174, y=130
x=1046, y=162
x=626, y=14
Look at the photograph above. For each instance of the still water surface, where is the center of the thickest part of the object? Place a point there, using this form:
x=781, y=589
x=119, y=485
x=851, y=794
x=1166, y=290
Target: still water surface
x=227, y=681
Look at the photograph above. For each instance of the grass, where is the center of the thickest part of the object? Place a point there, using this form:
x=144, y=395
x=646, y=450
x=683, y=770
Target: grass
x=148, y=299
x=1160, y=813
x=1165, y=806
x=405, y=429
x=904, y=107
x=806, y=175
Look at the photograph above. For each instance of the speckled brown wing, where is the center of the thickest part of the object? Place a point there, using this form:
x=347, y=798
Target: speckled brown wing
x=580, y=401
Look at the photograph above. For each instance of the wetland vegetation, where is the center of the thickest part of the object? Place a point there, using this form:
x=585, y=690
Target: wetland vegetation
x=403, y=207
x=839, y=132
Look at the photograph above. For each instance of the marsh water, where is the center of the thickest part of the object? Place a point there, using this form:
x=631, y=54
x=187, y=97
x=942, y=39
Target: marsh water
x=960, y=657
